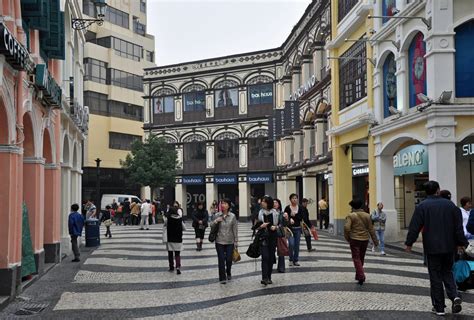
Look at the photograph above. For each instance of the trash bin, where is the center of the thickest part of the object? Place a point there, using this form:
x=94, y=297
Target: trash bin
x=92, y=233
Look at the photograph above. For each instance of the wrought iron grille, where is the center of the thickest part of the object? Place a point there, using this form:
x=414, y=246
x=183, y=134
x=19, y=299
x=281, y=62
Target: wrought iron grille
x=260, y=79
x=226, y=84
x=194, y=87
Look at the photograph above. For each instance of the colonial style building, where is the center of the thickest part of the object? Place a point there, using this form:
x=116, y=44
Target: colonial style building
x=115, y=54
x=40, y=134
x=224, y=115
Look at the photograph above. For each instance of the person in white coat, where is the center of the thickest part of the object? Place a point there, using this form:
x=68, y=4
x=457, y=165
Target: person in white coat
x=145, y=212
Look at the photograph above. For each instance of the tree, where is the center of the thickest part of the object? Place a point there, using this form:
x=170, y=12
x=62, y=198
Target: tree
x=151, y=163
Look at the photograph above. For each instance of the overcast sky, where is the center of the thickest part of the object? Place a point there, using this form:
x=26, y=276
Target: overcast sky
x=187, y=30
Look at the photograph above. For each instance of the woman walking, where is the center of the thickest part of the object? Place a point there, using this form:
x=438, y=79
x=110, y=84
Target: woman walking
x=282, y=223
x=357, y=230
x=295, y=215
x=200, y=223
x=268, y=220
x=379, y=218
x=106, y=219
x=226, y=240
x=174, y=234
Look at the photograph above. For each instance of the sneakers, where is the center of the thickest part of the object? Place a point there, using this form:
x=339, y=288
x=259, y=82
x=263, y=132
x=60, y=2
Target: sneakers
x=382, y=253
x=438, y=313
x=311, y=250
x=456, y=308
x=296, y=264
x=264, y=282
x=373, y=249
x=222, y=282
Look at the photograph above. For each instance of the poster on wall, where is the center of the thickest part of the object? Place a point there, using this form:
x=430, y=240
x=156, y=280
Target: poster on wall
x=157, y=105
x=227, y=97
x=417, y=63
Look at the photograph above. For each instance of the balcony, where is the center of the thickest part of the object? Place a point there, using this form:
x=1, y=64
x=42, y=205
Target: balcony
x=194, y=116
x=226, y=165
x=262, y=163
x=197, y=166
x=226, y=113
x=259, y=110
x=163, y=118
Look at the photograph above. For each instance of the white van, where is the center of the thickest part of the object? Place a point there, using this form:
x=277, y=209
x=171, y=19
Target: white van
x=107, y=199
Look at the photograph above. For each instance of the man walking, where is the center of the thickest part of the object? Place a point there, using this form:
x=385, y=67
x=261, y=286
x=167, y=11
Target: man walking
x=145, y=212
x=75, y=223
x=323, y=213
x=442, y=236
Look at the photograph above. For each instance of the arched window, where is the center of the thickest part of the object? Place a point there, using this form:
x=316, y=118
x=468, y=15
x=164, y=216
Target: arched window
x=260, y=90
x=389, y=84
x=464, y=59
x=259, y=146
x=226, y=94
x=194, y=148
x=417, y=69
x=227, y=146
x=194, y=98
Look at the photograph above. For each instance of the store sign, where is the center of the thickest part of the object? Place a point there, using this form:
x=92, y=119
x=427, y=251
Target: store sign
x=412, y=159
x=225, y=179
x=260, y=178
x=465, y=149
x=360, y=171
x=193, y=180
x=16, y=55
x=304, y=88
x=468, y=150
x=47, y=84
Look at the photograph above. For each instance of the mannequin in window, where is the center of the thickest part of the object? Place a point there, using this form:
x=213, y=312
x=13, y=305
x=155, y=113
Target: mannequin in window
x=224, y=99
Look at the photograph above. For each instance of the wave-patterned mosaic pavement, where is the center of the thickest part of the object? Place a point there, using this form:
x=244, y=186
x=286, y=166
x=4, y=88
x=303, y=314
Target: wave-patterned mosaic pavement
x=127, y=277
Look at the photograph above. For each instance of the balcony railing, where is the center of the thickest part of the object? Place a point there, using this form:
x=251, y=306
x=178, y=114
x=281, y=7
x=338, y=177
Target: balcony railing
x=262, y=163
x=226, y=112
x=193, y=116
x=163, y=118
x=194, y=166
x=226, y=164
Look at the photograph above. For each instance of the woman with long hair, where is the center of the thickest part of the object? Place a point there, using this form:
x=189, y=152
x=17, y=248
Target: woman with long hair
x=267, y=231
x=200, y=222
x=282, y=223
x=174, y=233
x=226, y=240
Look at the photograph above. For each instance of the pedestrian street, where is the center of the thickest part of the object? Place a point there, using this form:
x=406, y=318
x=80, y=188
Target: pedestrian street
x=127, y=277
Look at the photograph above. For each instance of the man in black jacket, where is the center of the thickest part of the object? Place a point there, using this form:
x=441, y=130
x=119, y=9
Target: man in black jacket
x=443, y=234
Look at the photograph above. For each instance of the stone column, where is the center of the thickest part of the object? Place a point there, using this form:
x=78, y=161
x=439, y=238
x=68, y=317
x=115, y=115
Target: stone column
x=211, y=191
x=402, y=83
x=178, y=108
x=295, y=79
x=244, y=198
x=287, y=142
x=320, y=135
x=306, y=69
x=286, y=91
x=342, y=173
x=308, y=131
x=180, y=193
x=297, y=145
x=179, y=152
x=33, y=193
x=66, y=182
x=210, y=155
x=147, y=114
x=309, y=192
x=52, y=229
x=285, y=186
x=242, y=100
x=243, y=153
x=378, y=94
x=210, y=104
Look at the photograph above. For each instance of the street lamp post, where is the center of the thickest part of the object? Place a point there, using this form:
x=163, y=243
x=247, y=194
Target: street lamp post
x=97, y=187
x=100, y=8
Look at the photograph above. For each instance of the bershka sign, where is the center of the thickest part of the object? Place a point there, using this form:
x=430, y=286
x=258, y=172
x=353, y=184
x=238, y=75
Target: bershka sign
x=304, y=88
x=260, y=178
x=412, y=159
x=225, y=179
x=193, y=180
x=16, y=55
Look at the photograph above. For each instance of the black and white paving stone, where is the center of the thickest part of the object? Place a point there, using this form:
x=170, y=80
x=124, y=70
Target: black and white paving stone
x=127, y=278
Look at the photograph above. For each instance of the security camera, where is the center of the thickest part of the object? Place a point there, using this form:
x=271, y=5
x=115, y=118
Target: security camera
x=394, y=110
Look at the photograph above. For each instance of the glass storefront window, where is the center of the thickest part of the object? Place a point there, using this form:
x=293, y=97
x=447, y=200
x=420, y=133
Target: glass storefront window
x=260, y=94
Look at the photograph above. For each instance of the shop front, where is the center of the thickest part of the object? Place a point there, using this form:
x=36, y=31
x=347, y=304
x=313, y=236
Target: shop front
x=195, y=190
x=465, y=167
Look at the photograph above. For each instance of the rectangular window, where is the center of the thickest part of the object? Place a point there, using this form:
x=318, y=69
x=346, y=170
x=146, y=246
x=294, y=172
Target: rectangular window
x=125, y=110
x=121, y=141
x=195, y=101
x=260, y=94
x=227, y=149
x=95, y=70
x=126, y=80
x=227, y=97
x=353, y=75
x=138, y=27
x=143, y=6
x=96, y=102
x=150, y=56
x=260, y=148
x=195, y=150
x=343, y=8
x=163, y=104
x=127, y=49
x=117, y=17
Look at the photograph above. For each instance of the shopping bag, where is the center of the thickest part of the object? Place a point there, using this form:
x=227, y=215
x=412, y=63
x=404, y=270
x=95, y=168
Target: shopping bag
x=314, y=233
x=235, y=255
x=282, y=247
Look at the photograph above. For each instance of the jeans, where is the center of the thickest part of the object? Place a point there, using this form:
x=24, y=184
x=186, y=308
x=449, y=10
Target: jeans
x=224, y=257
x=381, y=237
x=440, y=270
x=268, y=258
x=358, y=249
x=323, y=217
x=75, y=247
x=281, y=264
x=294, y=244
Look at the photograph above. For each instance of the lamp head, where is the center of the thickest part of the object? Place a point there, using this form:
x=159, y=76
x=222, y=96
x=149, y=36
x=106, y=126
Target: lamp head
x=100, y=8
x=445, y=97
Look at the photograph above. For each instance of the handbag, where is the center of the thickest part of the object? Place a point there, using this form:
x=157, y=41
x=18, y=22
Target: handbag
x=282, y=247
x=253, y=250
x=235, y=255
x=314, y=232
x=108, y=222
x=213, y=232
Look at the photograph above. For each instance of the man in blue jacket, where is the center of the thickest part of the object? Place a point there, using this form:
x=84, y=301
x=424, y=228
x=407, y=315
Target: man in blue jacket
x=75, y=223
x=443, y=234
